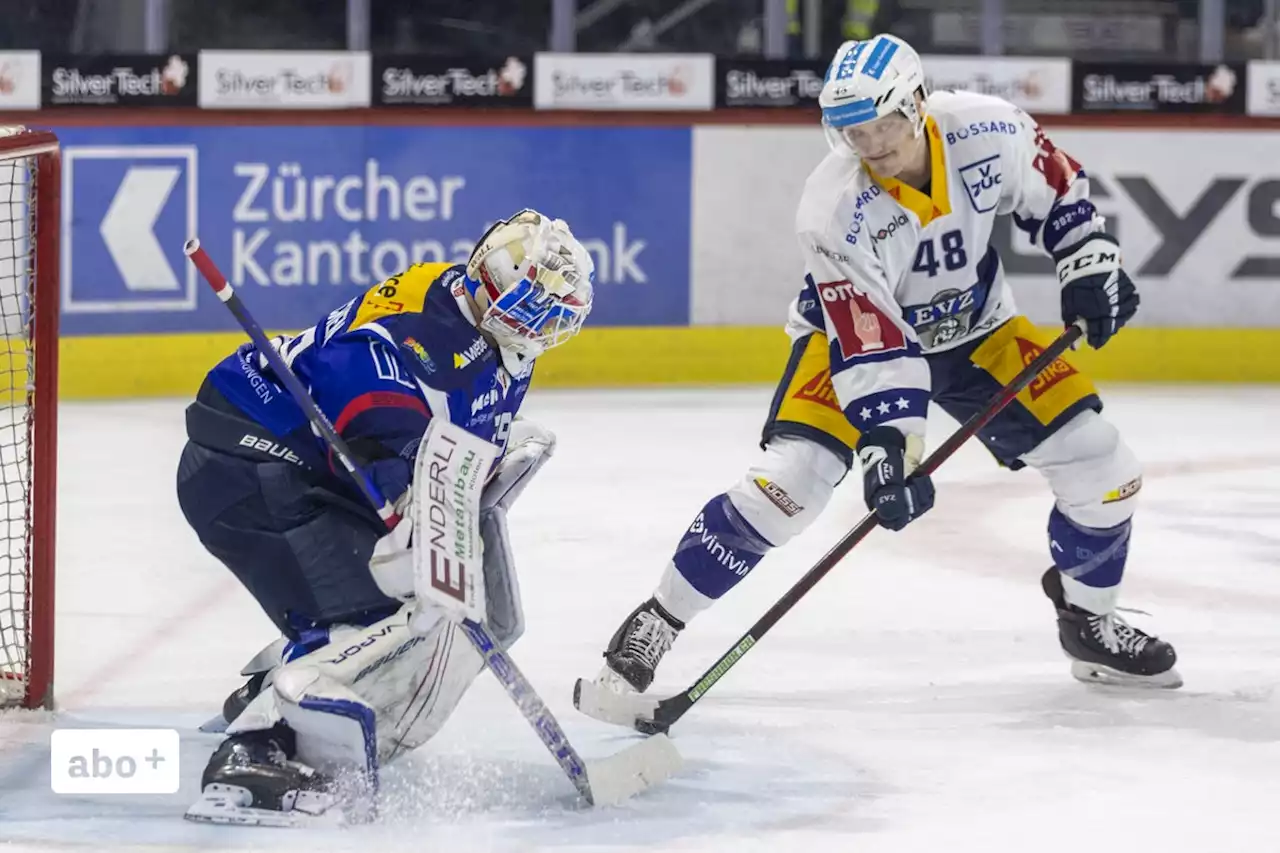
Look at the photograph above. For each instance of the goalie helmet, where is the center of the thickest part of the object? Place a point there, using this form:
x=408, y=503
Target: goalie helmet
x=532, y=281
x=868, y=80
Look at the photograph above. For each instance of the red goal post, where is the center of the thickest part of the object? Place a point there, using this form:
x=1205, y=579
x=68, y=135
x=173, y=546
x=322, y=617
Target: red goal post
x=30, y=238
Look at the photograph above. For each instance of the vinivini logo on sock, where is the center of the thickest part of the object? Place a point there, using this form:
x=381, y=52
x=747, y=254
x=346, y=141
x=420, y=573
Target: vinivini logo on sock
x=721, y=554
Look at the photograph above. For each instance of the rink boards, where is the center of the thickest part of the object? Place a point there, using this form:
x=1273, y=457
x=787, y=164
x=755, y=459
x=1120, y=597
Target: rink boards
x=691, y=229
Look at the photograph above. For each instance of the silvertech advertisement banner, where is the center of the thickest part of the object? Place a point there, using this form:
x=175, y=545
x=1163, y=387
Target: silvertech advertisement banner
x=1197, y=214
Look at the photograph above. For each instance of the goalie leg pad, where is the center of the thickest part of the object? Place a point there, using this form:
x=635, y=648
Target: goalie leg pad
x=370, y=694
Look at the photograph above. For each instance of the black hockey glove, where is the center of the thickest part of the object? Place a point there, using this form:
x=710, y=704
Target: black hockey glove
x=1095, y=289
x=895, y=498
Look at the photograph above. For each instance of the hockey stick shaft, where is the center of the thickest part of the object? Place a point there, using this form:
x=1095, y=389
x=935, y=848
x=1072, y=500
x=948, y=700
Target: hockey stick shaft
x=498, y=661
x=669, y=710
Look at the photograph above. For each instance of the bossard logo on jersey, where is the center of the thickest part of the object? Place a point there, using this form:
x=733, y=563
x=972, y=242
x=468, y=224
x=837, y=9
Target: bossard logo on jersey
x=126, y=212
x=982, y=183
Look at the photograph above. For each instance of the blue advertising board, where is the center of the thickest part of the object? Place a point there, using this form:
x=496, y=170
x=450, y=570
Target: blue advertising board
x=303, y=218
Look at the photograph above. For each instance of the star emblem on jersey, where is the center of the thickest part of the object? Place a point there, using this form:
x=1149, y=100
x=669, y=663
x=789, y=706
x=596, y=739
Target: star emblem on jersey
x=884, y=408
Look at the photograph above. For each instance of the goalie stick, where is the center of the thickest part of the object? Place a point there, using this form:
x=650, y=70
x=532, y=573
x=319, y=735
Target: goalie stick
x=601, y=782
x=655, y=717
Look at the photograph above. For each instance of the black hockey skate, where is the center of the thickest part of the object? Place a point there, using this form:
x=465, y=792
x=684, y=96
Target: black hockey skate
x=640, y=642
x=1104, y=649
x=252, y=779
x=630, y=661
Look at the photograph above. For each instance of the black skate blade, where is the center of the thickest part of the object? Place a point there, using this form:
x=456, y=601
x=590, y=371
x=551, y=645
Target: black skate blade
x=1096, y=673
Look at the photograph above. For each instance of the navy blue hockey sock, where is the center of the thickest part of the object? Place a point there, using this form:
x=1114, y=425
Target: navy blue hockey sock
x=719, y=549
x=1094, y=557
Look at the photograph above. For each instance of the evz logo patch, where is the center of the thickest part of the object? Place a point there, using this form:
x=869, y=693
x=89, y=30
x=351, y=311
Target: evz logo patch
x=861, y=327
x=982, y=183
x=944, y=319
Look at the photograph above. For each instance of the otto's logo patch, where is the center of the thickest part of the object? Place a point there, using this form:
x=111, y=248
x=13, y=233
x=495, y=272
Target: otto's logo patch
x=861, y=327
x=819, y=390
x=1050, y=376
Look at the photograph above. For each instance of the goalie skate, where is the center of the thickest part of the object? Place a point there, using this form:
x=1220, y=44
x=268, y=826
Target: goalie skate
x=233, y=805
x=253, y=780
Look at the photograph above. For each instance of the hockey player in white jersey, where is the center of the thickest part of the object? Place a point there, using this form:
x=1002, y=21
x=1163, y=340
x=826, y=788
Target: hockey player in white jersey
x=905, y=302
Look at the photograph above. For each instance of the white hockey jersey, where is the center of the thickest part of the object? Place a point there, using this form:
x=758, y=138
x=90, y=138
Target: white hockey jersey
x=893, y=273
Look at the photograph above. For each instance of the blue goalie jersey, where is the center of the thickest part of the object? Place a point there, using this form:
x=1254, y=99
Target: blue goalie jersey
x=381, y=367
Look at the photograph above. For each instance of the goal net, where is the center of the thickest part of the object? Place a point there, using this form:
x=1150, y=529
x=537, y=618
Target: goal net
x=30, y=190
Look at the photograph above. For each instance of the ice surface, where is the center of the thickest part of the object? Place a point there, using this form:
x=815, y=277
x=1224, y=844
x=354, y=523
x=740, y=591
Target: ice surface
x=916, y=701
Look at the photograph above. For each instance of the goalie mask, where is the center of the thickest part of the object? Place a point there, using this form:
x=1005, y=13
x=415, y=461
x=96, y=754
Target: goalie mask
x=532, y=281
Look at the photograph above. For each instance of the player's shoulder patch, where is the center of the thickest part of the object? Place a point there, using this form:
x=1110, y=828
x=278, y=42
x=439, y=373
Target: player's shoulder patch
x=982, y=181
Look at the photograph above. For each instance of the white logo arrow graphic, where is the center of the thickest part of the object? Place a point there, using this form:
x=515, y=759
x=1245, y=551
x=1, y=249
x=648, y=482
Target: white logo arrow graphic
x=128, y=229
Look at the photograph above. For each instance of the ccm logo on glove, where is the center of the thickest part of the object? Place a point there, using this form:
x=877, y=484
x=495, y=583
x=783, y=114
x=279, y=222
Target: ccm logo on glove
x=1088, y=264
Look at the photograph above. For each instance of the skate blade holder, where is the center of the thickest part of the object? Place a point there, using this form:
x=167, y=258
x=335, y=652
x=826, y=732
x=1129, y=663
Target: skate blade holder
x=230, y=805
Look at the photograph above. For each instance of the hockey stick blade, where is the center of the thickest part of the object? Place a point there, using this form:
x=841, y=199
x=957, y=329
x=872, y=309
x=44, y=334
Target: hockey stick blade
x=633, y=770
x=611, y=706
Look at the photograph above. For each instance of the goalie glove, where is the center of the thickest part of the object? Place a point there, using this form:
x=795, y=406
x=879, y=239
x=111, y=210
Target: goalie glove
x=1095, y=289
x=887, y=458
